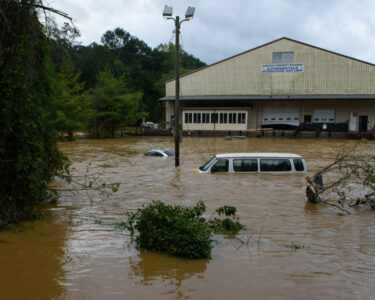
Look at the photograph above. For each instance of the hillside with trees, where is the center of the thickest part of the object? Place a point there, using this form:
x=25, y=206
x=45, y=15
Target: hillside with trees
x=115, y=84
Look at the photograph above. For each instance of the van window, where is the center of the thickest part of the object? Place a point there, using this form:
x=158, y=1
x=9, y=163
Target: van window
x=275, y=165
x=298, y=164
x=220, y=166
x=245, y=165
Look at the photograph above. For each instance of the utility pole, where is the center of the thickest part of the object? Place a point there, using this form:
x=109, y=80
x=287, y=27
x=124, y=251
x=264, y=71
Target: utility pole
x=177, y=113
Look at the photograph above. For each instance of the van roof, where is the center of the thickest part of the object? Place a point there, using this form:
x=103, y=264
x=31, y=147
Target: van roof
x=258, y=155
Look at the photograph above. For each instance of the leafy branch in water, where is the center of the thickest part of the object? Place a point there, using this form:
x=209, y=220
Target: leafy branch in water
x=350, y=181
x=178, y=230
x=230, y=224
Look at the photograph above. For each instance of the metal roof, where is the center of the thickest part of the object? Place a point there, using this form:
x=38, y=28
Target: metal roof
x=271, y=97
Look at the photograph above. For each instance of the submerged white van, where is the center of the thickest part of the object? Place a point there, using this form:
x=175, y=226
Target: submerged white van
x=255, y=162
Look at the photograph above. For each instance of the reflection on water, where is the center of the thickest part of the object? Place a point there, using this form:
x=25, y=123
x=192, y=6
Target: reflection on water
x=149, y=266
x=89, y=258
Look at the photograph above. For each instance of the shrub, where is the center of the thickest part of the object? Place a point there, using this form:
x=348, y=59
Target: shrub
x=174, y=230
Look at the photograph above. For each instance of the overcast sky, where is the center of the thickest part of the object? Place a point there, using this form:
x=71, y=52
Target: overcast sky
x=222, y=28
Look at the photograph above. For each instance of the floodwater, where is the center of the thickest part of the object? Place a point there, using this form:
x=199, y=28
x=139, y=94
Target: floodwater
x=291, y=249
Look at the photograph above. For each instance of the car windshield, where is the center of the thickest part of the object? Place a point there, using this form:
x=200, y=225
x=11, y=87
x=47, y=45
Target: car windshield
x=207, y=164
x=169, y=152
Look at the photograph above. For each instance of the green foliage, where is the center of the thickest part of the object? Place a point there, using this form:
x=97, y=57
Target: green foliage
x=69, y=99
x=180, y=231
x=174, y=230
x=85, y=76
x=29, y=156
x=230, y=224
x=146, y=69
x=111, y=106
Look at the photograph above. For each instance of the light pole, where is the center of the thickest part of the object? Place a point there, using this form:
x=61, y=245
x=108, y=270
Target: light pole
x=168, y=11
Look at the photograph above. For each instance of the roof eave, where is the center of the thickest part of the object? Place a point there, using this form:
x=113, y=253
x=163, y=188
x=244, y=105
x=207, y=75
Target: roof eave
x=272, y=97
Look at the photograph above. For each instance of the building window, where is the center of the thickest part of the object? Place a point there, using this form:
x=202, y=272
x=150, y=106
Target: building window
x=205, y=118
x=241, y=118
x=223, y=118
x=214, y=117
x=188, y=118
x=232, y=118
x=197, y=117
x=283, y=57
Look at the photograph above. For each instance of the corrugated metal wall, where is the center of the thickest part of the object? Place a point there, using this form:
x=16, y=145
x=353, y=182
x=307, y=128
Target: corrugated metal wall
x=324, y=73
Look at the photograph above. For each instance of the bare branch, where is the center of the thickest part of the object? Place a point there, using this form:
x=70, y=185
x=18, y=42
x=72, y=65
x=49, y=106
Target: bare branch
x=337, y=206
x=349, y=176
x=55, y=11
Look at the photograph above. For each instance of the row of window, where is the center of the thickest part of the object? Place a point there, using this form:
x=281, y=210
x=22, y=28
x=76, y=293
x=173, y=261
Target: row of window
x=251, y=165
x=222, y=118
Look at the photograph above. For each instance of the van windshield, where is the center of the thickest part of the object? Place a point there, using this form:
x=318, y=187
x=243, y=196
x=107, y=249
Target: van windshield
x=207, y=164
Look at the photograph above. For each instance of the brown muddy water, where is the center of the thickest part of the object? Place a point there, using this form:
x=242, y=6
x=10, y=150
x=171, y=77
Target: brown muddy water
x=78, y=253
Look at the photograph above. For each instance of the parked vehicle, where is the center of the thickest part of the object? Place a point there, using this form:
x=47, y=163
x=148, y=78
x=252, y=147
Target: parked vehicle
x=150, y=125
x=255, y=163
x=161, y=153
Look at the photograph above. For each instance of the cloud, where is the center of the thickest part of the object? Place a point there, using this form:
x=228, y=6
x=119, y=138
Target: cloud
x=222, y=28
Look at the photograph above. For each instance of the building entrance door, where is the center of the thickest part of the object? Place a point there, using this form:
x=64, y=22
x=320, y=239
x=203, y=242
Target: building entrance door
x=363, y=120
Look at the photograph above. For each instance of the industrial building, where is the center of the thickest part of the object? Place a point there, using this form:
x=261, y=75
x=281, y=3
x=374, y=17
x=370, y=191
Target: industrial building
x=284, y=84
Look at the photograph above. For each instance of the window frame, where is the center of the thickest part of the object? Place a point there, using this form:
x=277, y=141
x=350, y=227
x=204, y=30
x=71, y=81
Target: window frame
x=246, y=159
x=299, y=161
x=283, y=57
x=273, y=167
x=218, y=161
x=214, y=118
x=197, y=118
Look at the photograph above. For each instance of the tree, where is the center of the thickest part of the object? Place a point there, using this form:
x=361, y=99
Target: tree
x=29, y=156
x=89, y=61
x=69, y=101
x=111, y=106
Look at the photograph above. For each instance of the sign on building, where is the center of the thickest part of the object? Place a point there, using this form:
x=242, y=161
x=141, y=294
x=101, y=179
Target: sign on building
x=282, y=68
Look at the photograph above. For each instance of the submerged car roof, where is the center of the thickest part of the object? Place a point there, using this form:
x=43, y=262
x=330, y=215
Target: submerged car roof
x=258, y=155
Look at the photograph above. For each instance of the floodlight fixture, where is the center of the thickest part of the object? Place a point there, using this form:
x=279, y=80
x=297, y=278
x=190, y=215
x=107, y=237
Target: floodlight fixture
x=168, y=11
x=190, y=12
